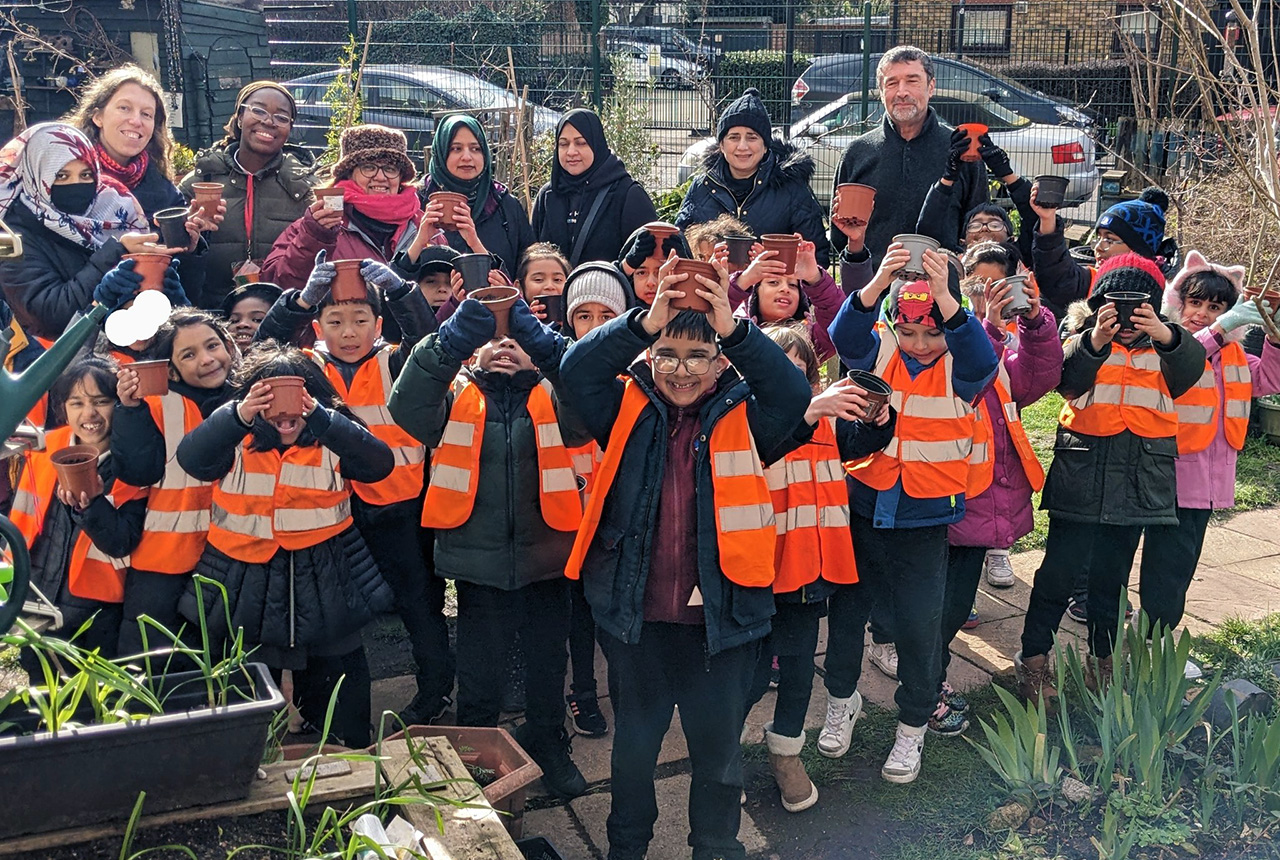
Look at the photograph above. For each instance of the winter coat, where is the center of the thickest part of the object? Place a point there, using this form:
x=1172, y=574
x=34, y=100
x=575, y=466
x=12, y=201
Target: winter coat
x=288, y=322
x=293, y=255
x=156, y=191
x=855, y=271
x=625, y=208
x=1001, y=514
x=505, y=543
x=1125, y=479
x=823, y=298
x=1061, y=279
x=616, y=566
x=281, y=193
x=781, y=201
x=137, y=444
x=941, y=210
x=503, y=227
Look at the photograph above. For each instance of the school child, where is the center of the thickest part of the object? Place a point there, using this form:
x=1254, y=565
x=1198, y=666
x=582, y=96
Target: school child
x=245, y=308
x=145, y=436
x=79, y=545
x=503, y=500
x=809, y=297
x=937, y=359
x=814, y=553
x=1113, y=466
x=541, y=272
x=638, y=263
x=677, y=543
x=432, y=269
x=300, y=579
x=705, y=237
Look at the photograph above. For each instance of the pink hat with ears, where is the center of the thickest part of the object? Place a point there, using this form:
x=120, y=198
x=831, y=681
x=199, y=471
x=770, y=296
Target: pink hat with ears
x=1196, y=262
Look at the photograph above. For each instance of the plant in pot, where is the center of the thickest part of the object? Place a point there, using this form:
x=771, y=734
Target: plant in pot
x=1269, y=417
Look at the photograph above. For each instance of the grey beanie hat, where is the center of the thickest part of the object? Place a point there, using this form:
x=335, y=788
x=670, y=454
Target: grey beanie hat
x=596, y=282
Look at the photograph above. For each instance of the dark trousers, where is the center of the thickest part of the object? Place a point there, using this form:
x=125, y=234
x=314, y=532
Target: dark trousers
x=668, y=668
x=905, y=569
x=1169, y=558
x=582, y=641
x=488, y=619
x=964, y=570
x=793, y=640
x=313, y=688
x=155, y=595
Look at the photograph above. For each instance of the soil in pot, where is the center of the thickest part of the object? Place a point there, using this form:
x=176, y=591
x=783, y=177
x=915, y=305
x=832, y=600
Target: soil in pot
x=877, y=391
x=286, y=399
x=153, y=377
x=151, y=267
x=692, y=301
x=77, y=468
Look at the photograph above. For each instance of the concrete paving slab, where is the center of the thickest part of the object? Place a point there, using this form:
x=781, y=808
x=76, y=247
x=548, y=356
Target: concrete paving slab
x=558, y=826
x=1226, y=546
x=1259, y=524
x=1263, y=570
x=1220, y=593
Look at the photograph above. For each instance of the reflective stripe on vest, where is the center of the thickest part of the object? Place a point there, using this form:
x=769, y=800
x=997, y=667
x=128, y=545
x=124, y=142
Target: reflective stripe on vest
x=455, y=464
x=1129, y=392
x=1197, y=412
x=176, y=527
x=367, y=397
x=585, y=460
x=1237, y=394
x=270, y=501
x=811, y=505
x=982, y=459
x=746, y=531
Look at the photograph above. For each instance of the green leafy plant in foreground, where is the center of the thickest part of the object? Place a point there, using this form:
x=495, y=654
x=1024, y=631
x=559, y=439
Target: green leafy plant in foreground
x=1019, y=750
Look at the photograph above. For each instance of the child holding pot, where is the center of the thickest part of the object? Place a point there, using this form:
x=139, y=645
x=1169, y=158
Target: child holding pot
x=1113, y=470
x=641, y=258
x=937, y=359
x=300, y=580
x=808, y=295
x=542, y=272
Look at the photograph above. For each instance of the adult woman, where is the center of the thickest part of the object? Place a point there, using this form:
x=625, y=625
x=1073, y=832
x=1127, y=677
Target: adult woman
x=75, y=225
x=266, y=183
x=755, y=178
x=591, y=205
x=494, y=222
x=379, y=209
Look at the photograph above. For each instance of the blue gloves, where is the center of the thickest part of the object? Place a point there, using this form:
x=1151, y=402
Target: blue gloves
x=383, y=278
x=1242, y=313
x=319, y=280
x=173, y=285
x=471, y=327
x=117, y=286
x=535, y=338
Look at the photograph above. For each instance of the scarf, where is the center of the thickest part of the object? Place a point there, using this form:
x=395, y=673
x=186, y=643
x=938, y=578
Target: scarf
x=28, y=165
x=475, y=190
x=130, y=175
x=399, y=209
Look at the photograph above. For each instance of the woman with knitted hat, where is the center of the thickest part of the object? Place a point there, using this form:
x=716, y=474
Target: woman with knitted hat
x=379, y=212
x=266, y=184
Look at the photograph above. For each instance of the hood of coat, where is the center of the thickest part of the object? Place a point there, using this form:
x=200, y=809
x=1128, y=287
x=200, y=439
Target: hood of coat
x=783, y=163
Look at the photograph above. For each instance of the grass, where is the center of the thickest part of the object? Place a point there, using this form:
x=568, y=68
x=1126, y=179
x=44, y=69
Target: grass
x=1244, y=648
x=1040, y=420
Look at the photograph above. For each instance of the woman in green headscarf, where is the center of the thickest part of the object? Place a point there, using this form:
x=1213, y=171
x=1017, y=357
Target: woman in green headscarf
x=494, y=222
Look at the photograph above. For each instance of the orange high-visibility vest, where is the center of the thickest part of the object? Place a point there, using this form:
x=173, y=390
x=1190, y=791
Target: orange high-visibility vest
x=746, y=530
x=585, y=460
x=1197, y=412
x=1129, y=392
x=270, y=501
x=455, y=465
x=811, y=506
x=1237, y=394
x=367, y=398
x=933, y=436
x=176, y=527
x=1199, y=408
x=91, y=573
x=982, y=459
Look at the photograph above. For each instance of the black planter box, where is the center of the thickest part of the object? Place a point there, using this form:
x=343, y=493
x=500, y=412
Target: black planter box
x=190, y=755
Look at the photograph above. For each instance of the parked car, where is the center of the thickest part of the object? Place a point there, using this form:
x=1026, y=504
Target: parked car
x=669, y=39
x=412, y=99
x=1034, y=149
x=830, y=77
x=670, y=72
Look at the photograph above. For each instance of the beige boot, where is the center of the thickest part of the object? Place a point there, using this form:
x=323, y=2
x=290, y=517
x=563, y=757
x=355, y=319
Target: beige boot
x=1035, y=680
x=1097, y=673
x=798, y=791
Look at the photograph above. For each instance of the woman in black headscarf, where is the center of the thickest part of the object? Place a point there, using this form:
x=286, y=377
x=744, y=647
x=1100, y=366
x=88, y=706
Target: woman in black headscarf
x=591, y=205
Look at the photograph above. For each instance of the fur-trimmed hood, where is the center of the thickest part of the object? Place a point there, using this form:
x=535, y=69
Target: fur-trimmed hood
x=783, y=163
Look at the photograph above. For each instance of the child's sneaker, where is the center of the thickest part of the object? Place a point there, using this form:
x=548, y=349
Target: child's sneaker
x=885, y=658
x=903, y=764
x=1077, y=611
x=954, y=700
x=947, y=722
x=972, y=621
x=584, y=710
x=837, y=731
x=998, y=568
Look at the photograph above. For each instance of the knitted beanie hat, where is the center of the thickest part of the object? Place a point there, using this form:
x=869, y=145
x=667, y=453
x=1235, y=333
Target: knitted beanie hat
x=371, y=144
x=1131, y=273
x=1140, y=223
x=601, y=283
x=748, y=109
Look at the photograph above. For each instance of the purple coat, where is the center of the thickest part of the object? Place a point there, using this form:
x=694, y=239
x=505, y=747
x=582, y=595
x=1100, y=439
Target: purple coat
x=998, y=516
x=824, y=297
x=293, y=255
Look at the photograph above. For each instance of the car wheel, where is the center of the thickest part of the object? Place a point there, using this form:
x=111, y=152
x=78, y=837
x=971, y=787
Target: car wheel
x=670, y=79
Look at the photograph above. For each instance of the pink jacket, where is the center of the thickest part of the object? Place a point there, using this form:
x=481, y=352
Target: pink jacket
x=293, y=255
x=824, y=297
x=1001, y=514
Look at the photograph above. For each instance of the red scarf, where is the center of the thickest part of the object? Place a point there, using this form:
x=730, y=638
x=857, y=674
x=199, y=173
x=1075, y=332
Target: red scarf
x=398, y=209
x=128, y=175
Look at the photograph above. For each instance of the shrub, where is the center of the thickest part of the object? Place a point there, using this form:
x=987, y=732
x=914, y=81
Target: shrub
x=763, y=70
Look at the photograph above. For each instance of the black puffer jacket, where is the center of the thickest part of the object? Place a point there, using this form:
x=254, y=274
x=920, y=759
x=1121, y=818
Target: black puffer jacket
x=781, y=202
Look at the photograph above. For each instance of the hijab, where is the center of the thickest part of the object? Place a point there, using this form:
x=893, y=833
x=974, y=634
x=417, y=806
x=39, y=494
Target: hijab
x=476, y=190
x=588, y=125
x=28, y=165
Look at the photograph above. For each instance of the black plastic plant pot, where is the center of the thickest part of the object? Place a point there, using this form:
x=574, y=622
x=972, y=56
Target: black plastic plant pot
x=1052, y=191
x=191, y=755
x=1126, y=303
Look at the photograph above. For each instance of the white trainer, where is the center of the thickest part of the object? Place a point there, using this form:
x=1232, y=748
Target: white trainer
x=885, y=658
x=837, y=731
x=903, y=764
x=999, y=569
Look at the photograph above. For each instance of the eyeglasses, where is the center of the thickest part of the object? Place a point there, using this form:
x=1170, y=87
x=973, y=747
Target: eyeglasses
x=1103, y=242
x=697, y=365
x=264, y=115
x=986, y=227
x=371, y=170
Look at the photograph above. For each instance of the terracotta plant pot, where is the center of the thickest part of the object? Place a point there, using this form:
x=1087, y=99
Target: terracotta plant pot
x=1052, y=191
x=287, y=397
x=153, y=378
x=450, y=199
x=854, y=202
x=739, y=251
x=553, y=307
x=474, y=269
x=1126, y=303
x=207, y=197
x=152, y=268
x=692, y=301
x=348, y=284
x=1020, y=293
x=787, y=247
x=661, y=230
x=499, y=301
x=333, y=198
x=77, y=469
x=917, y=245
x=172, y=224
x=878, y=391
x=974, y=130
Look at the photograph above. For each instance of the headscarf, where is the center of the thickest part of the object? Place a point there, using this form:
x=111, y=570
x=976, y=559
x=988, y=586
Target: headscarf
x=475, y=190
x=232, y=128
x=28, y=165
x=588, y=125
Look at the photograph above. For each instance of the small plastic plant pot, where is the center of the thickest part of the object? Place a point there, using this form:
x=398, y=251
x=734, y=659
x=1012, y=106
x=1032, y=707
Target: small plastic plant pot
x=207, y=197
x=1020, y=292
x=333, y=198
x=854, y=202
x=692, y=301
x=1052, y=191
x=348, y=284
x=975, y=130
x=172, y=223
x=286, y=401
x=153, y=377
x=77, y=469
x=152, y=268
x=499, y=301
x=739, y=251
x=449, y=199
x=878, y=391
x=1126, y=303
x=787, y=247
x=661, y=231
x=917, y=245
x=553, y=307
x=474, y=269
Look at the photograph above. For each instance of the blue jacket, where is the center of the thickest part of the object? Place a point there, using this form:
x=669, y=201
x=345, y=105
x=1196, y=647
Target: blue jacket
x=855, y=338
x=617, y=563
